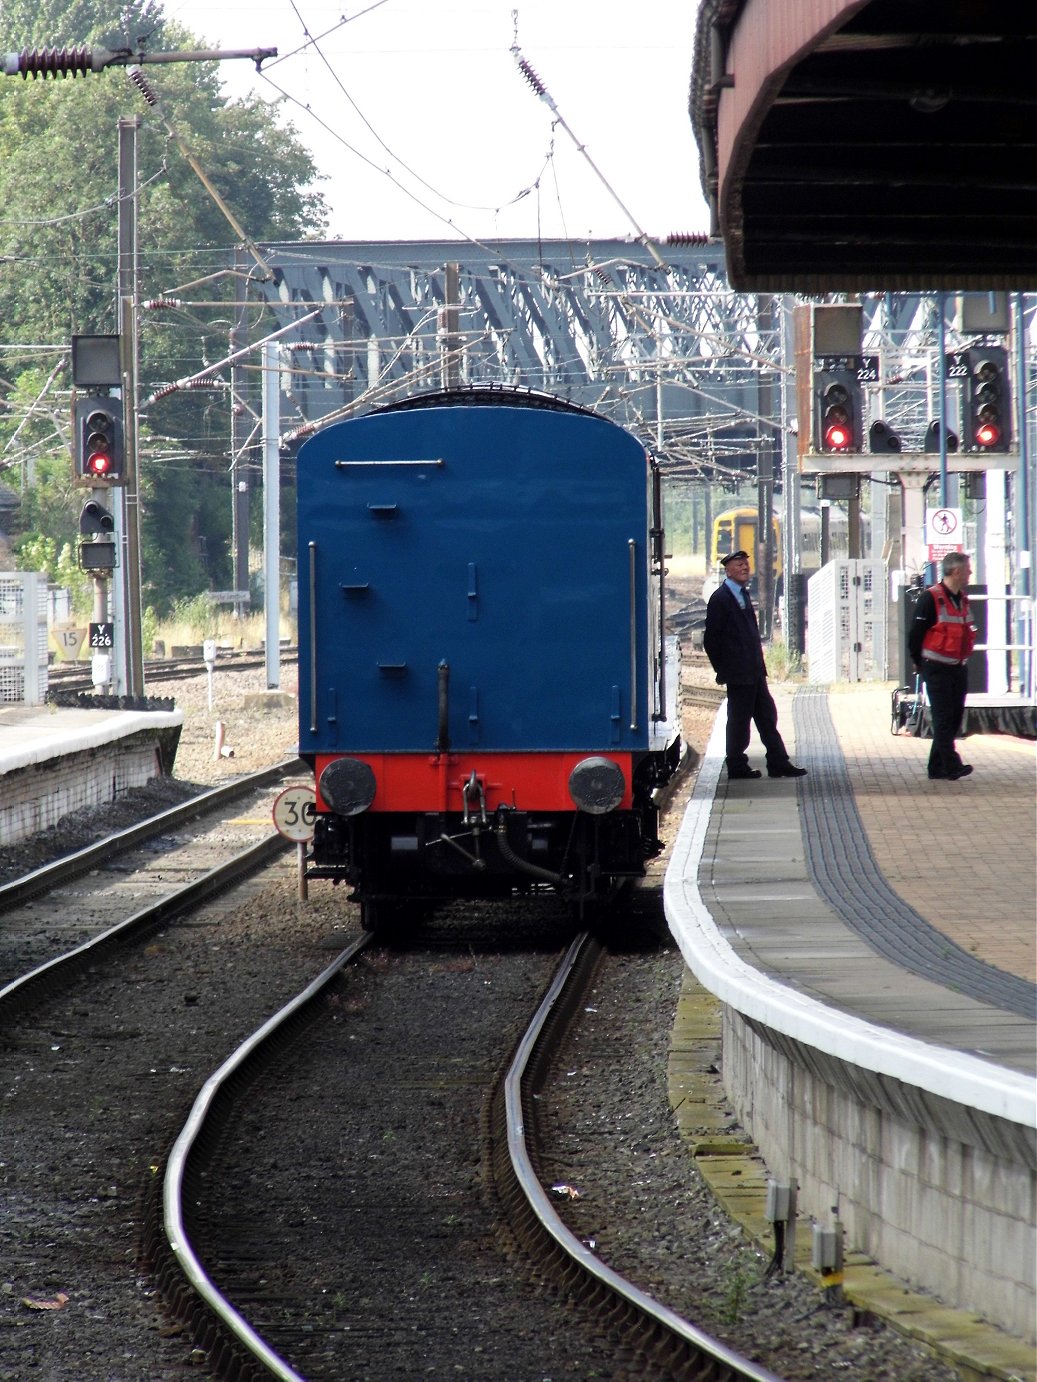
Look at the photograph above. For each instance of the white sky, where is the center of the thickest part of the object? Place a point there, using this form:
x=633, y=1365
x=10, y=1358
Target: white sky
x=437, y=83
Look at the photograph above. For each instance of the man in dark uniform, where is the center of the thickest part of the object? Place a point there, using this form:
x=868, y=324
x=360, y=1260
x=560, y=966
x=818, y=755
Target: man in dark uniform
x=940, y=643
x=732, y=644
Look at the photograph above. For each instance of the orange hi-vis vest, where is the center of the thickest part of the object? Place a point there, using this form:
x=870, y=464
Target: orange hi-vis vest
x=952, y=638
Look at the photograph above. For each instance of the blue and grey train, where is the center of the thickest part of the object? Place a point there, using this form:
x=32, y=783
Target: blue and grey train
x=486, y=697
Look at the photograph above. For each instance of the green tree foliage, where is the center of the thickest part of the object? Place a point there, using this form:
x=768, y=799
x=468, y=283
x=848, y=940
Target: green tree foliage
x=58, y=267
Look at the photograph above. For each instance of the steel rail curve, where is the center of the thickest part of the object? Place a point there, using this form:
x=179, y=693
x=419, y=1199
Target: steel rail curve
x=236, y=1349
x=698, y=1354
x=218, y=1326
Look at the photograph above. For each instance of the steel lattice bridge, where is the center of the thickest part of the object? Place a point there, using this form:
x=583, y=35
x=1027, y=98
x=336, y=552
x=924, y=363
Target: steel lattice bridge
x=702, y=374
x=670, y=353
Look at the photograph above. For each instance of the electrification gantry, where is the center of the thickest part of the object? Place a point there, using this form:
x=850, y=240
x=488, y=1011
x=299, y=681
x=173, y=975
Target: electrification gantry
x=669, y=352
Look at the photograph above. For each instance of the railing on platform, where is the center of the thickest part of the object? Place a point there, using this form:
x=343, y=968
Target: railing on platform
x=1020, y=672
x=23, y=637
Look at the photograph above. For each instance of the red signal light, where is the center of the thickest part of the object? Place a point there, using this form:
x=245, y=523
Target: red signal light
x=986, y=407
x=98, y=445
x=837, y=411
x=99, y=441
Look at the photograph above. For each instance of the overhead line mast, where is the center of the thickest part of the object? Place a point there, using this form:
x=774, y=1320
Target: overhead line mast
x=73, y=62
x=105, y=452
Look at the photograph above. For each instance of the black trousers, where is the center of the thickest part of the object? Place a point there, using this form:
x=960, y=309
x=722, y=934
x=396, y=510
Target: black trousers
x=753, y=704
x=946, y=687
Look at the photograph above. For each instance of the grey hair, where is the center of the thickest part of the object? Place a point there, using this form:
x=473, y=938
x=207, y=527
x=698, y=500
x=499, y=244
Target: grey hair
x=953, y=560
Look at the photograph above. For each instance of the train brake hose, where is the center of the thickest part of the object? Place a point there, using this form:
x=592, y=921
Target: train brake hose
x=517, y=862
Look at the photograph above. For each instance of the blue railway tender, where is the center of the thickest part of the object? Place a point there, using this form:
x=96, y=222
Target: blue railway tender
x=483, y=685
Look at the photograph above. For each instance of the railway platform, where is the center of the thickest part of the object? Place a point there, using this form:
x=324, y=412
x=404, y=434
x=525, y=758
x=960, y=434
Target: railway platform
x=869, y=938
x=56, y=760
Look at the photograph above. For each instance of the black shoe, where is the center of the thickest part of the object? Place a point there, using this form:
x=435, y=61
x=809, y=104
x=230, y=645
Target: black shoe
x=963, y=771
x=937, y=777
x=741, y=773
x=789, y=770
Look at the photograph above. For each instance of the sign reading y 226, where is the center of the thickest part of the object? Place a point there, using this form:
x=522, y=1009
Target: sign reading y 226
x=295, y=810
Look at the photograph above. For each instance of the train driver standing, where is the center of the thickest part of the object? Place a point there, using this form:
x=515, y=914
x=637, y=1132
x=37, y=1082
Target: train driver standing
x=733, y=646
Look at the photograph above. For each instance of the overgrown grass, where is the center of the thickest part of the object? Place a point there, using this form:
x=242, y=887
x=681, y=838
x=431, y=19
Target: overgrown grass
x=783, y=665
x=193, y=621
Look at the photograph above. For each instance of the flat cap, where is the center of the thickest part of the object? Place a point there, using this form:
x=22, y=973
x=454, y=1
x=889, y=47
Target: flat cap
x=734, y=556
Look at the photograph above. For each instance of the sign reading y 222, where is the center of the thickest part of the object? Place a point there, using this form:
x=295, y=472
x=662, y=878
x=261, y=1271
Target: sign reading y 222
x=295, y=810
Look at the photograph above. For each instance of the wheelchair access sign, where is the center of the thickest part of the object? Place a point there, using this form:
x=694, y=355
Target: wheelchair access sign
x=295, y=810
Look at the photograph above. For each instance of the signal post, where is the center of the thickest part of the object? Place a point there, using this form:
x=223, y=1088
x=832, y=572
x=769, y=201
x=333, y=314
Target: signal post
x=99, y=465
x=832, y=378
x=840, y=439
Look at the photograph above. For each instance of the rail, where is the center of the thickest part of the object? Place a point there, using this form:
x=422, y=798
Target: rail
x=687, y=1347
x=190, y=1150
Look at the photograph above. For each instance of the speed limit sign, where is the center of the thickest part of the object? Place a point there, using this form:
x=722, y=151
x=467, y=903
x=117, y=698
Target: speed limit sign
x=295, y=810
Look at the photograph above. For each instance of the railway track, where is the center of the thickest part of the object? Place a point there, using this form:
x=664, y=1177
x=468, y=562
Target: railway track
x=260, y=1249
x=98, y=1045
x=69, y=679
x=99, y=1073
x=709, y=696
x=86, y=903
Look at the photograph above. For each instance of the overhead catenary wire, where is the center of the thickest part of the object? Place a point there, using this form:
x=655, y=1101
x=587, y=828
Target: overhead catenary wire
x=138, y=79
x=313, y=44
x=541, y=90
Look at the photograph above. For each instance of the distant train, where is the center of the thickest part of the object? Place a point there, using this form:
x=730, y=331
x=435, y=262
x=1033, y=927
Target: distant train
x=736, y=530
x=485, y=694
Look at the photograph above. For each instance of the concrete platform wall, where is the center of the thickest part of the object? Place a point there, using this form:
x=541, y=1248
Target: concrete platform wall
x=37, y=796
x=942, y=1195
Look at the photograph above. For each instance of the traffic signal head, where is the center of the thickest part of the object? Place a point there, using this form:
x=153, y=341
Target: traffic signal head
x=95, y=518
x=932, y=438
x=97, y=439
x=882, y=438
x=97, y=524
x=987, y=425
x=837, y=411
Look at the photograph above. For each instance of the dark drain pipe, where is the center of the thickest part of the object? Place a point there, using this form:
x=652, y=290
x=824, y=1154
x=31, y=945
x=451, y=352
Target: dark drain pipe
x=443, y=689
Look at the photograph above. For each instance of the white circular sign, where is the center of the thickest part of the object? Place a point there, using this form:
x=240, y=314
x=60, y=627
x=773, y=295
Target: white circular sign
x=943, y=525
x=295, y=811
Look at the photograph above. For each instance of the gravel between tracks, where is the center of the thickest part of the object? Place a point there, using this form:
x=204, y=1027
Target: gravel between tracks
x=72, y=1191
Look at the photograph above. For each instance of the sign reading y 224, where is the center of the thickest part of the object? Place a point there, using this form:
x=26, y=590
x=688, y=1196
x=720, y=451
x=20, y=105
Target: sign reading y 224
x=295, y=810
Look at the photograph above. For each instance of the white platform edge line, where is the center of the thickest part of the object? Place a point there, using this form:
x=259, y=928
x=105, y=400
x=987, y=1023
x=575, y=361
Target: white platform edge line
x=953, y=1075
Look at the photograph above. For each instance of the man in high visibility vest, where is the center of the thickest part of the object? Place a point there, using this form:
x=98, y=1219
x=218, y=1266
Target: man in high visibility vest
x=940, y=643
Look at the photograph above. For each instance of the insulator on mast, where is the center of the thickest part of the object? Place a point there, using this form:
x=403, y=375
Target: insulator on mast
x=532, y=78
x=139, y=80
x=48, y=62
